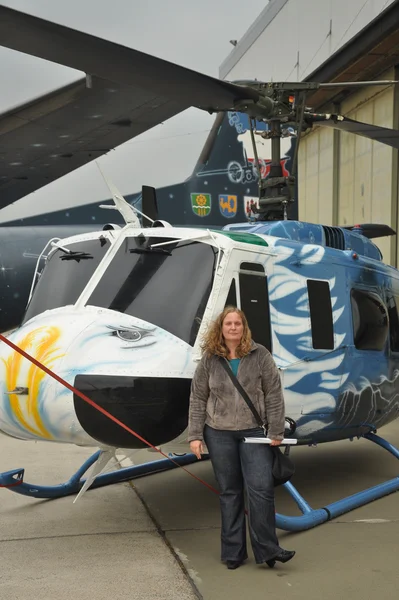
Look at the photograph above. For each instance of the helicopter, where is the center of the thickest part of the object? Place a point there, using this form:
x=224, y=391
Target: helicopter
x=118, y=314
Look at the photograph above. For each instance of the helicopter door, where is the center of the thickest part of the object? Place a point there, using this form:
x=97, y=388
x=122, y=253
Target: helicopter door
x=249, y=291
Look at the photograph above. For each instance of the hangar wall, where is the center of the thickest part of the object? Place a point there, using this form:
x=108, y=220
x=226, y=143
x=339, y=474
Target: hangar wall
x=344, y=179
x=291, y=38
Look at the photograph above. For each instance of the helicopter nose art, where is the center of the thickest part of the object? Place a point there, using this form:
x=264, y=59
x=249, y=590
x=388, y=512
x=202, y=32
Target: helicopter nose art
x=137, y=371
x=32, y=404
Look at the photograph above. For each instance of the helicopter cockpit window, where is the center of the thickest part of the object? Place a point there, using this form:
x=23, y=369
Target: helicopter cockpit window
x=255, y=301
x=370, y=320
x=66, y=274
x=321, y=318
x=167, y=285
x=231, y=299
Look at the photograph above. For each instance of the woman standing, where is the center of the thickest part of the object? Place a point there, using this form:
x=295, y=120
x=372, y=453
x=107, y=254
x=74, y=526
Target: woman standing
x=219, y=416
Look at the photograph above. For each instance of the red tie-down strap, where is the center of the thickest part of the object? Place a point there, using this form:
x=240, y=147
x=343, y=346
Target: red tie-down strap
x=100, y=409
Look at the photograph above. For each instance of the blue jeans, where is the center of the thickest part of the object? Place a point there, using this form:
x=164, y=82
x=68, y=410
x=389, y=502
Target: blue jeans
x=237, y=465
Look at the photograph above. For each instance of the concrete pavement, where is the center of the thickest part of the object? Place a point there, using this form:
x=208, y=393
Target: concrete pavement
x=109, y=546
x=105, y=546
x=354, y=556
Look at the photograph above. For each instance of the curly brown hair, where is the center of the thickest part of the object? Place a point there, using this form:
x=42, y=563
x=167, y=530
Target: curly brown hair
x=213, y=340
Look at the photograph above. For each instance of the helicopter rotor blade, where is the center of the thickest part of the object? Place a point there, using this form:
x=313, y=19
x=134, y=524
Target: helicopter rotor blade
x=372, y=230
x=353, y=84
x=390, y=137
x=95, y=56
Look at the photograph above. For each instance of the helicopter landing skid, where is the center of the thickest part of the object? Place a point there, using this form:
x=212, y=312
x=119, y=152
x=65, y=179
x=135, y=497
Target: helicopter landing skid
x=14, y=480
x=313, y=517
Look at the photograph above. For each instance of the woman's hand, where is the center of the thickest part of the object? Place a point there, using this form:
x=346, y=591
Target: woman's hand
x=197, y=448
x=275, y=442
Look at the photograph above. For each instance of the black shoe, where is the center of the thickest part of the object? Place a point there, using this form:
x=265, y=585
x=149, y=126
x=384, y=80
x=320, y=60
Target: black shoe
x=284, y=556
x=233, y=564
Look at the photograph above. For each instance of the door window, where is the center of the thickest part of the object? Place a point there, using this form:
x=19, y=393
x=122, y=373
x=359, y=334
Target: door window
x=255, y=302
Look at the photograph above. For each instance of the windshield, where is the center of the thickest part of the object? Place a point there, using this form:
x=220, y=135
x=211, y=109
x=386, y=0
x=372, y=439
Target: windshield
x=66, y=275
x=168, y=286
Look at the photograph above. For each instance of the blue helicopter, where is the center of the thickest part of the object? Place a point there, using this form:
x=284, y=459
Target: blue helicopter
x=111, y=336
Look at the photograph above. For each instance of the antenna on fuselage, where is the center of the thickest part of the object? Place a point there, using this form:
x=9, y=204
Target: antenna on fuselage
x=126, y=210
x=129, y=212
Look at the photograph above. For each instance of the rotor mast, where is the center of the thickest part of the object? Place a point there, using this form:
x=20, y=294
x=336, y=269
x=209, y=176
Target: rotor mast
x=277, y=191
x=282, y=105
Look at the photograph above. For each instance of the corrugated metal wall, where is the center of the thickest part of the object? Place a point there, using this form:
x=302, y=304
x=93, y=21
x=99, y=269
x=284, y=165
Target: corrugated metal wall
x=291, y=38
x=346, y=179
x=315, y=176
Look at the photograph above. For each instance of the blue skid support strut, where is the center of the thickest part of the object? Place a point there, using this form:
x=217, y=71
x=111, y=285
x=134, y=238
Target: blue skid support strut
x=14, y=480
x=313, y=517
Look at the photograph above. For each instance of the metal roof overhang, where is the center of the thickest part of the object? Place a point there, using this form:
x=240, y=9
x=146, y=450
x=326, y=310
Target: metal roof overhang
x=364, y=58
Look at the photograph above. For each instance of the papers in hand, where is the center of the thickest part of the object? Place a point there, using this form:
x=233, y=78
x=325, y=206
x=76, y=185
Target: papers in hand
x=266, y=440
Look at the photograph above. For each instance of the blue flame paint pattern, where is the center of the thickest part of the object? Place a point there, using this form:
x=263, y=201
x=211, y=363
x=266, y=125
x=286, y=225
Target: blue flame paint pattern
x=344, y=388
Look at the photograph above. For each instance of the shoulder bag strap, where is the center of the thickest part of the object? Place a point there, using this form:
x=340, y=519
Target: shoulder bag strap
x=241, y=390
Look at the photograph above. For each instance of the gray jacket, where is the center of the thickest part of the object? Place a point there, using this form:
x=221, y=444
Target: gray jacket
x=214, y=400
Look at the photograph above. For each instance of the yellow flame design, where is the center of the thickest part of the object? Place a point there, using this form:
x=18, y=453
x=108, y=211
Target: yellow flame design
x=40, y=345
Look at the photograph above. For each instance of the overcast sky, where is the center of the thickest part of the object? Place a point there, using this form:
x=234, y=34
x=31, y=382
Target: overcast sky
x=194, y=34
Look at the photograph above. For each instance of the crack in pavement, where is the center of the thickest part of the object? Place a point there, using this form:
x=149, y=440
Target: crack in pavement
x=71, y=535
x=158, y=529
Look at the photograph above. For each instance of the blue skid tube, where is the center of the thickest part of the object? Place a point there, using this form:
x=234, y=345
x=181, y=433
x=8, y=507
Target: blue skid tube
x=14, y=480
x=313, y=517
